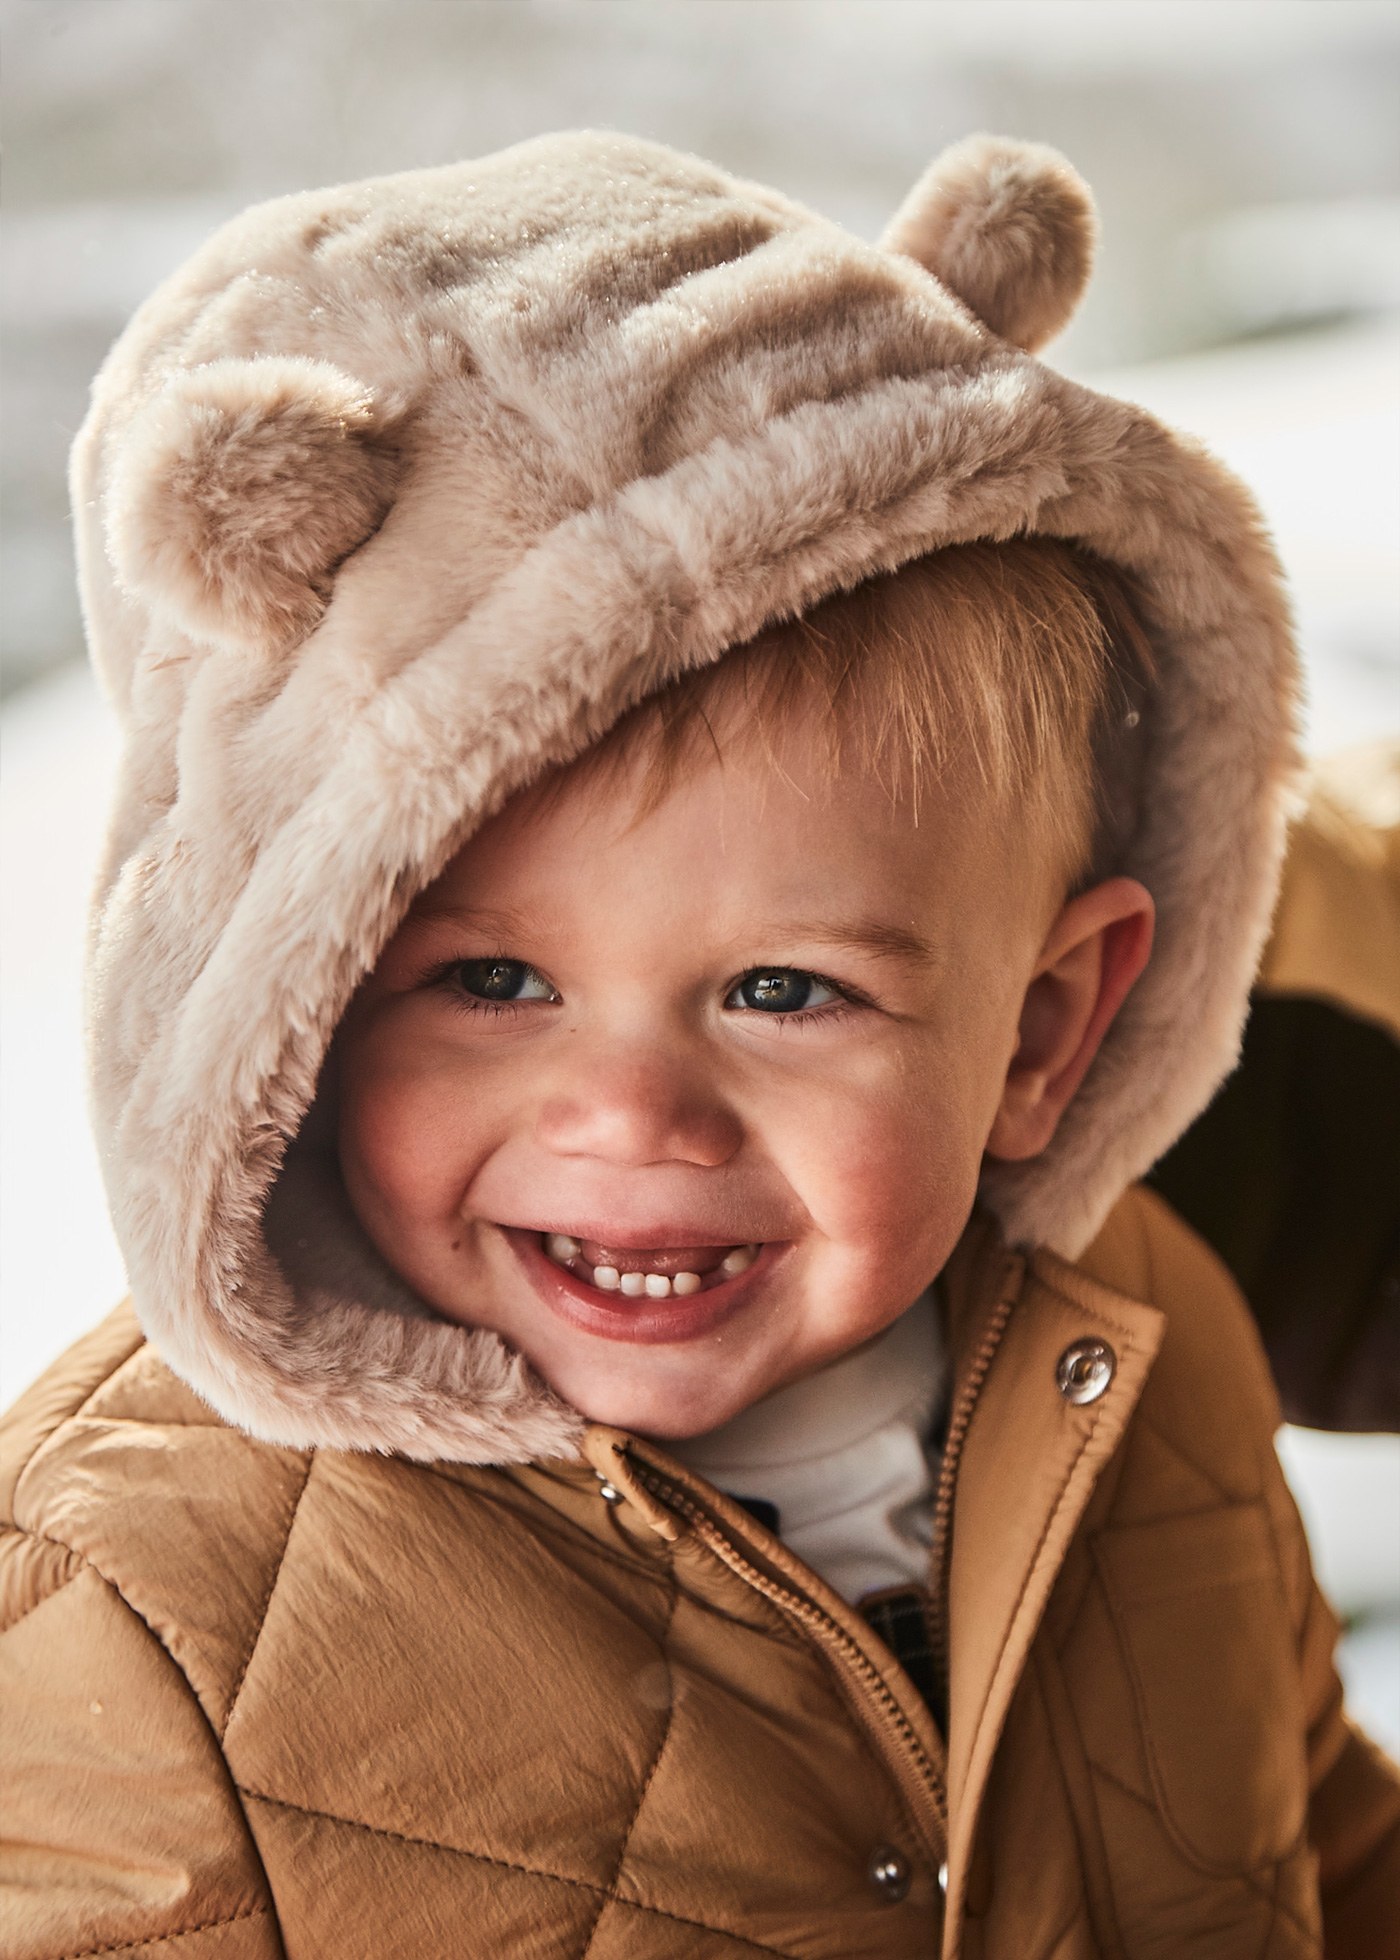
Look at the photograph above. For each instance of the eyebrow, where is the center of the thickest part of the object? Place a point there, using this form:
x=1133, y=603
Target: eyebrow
x=505, y=922
x=879, y=938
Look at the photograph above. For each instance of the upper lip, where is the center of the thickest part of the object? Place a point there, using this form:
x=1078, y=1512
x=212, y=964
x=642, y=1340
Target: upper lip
x=659, y=1238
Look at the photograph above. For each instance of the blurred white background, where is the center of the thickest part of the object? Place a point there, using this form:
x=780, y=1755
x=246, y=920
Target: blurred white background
x=1246, y=160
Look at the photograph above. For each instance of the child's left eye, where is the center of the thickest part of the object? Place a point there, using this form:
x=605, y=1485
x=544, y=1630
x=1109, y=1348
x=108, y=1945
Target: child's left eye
x=783, y=990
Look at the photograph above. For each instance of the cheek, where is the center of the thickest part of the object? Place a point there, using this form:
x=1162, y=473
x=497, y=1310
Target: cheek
x=900, y=1170
x=891, y=1172
x=410, y=1138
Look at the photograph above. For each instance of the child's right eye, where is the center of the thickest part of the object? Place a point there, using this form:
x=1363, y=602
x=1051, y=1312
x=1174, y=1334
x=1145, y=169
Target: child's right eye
x=495, y=981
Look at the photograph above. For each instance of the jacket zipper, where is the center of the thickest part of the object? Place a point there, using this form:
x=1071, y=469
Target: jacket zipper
x=923, y=1783
x=919, y=1774
x=941, y=1550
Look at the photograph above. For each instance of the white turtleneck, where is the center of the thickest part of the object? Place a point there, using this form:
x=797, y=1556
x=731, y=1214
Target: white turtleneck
x=845, y=1455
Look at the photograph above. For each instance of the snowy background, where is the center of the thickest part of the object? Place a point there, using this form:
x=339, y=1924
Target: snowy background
x=1246, y=160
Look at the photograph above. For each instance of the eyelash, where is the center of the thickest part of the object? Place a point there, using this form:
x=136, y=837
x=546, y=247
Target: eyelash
x=441, y=978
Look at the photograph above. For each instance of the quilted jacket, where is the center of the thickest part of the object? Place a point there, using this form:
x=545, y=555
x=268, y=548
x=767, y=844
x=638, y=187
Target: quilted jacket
x=306, y=1702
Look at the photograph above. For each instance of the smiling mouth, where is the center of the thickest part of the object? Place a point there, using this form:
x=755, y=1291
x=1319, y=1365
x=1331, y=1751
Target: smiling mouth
x=652, y=1273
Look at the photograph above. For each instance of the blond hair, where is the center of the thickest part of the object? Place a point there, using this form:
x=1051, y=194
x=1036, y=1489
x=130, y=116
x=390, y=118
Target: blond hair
x=1024, y=661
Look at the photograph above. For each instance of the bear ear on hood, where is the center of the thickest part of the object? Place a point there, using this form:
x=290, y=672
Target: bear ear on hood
x=1009, y=228
x=242, y=485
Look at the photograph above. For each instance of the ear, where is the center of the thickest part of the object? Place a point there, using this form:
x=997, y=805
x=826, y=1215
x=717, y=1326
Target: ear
x=242, y=486
x=1009, y=227
x=1093, y=953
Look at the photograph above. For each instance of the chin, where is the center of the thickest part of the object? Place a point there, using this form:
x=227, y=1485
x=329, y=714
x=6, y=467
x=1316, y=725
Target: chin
x=658, y=1412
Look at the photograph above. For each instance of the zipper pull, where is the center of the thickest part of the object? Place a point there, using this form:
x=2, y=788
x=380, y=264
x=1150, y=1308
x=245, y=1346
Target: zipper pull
x=618, y=1483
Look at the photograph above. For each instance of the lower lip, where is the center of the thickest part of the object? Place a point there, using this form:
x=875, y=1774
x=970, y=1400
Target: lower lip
x=643, y=1321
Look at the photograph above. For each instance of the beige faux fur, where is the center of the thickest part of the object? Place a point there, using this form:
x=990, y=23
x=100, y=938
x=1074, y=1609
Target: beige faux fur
x=242, y=486
x=400, y=492
x=1009, y=227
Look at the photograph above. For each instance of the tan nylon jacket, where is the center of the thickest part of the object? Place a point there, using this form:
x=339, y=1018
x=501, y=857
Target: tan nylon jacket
x=304, y=1704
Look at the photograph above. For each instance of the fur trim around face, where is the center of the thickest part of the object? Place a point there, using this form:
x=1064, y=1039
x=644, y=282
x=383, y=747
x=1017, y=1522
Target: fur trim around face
x=404, y=491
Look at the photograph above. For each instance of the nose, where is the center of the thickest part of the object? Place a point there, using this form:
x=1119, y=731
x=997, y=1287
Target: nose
x=634, y=1108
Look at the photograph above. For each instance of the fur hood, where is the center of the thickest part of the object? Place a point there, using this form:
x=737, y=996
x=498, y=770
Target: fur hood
x=401, y=492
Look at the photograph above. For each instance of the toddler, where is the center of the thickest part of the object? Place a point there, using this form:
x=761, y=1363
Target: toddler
x=692, y=818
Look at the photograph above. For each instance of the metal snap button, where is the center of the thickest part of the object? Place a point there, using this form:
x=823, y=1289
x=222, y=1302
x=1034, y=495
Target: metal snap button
x=888, y=1872
x=943, y=1880
x=1085, y=1370
x=609, y=1493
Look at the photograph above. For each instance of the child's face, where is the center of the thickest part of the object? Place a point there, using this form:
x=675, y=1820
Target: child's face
x=764, y=1027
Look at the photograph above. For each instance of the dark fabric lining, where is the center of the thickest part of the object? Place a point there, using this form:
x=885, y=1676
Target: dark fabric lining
x=1293, y=1176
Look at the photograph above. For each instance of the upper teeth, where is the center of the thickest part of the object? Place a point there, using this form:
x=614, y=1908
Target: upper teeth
x=656, y=1286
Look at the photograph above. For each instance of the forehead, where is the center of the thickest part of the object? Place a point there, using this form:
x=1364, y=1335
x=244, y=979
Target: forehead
x=769, y=829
